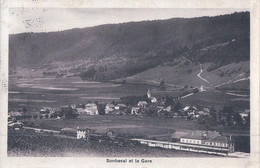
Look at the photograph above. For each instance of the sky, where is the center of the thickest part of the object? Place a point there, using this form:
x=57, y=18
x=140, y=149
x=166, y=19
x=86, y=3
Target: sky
x=58, y=19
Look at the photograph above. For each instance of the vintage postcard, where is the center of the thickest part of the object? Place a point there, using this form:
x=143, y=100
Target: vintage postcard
x=129, y=84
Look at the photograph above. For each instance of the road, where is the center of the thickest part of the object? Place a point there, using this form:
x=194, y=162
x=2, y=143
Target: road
x=242, y=79
x=201, y=70
x=235, y=94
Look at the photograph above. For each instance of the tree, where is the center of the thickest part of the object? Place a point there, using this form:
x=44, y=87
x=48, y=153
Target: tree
x=196, y=90
x=177, y=107
x=70, y=113
x=162, y=85
x=101, y=109
x=237, y=118
x=247, y=119
x=35, y=116
x=23, y=110
x=151, y=111
x=169, y=101
x=228, y=110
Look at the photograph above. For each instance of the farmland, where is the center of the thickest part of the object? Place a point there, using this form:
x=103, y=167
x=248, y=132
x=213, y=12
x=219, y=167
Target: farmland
x=33, y=91
x=133, y=125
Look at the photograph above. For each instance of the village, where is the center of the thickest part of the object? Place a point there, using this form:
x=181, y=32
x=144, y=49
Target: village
x=147, y=105
x=210, y=142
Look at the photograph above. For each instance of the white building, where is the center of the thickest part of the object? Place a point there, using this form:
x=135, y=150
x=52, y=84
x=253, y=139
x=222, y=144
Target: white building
x=135, y=110
x=149, y=95
x=82, y=133
x=109, y=108
x=142, y=104
x=91, y=109
x=120, y=106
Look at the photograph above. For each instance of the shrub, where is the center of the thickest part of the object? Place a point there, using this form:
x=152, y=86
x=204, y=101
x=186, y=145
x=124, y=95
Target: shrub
x=196, y=90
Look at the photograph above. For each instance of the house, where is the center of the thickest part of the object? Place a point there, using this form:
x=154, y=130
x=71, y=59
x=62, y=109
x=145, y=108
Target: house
x=80, y=110
x=9, y=118
x=16, y=125
x=102, y=135
x=142, y=104
x=153, y=100
x=244, y=115
x=83, y=133
x=91, y=109
x=189, y=108
x=109, y=108
x=73, y=106
x=56, y=112
x=202, y=113
x=106, y=133
x=168, y=108
x=135, y=110
x=45, y=110
x=175, y=115
x=159, y=109
x=206, y=111
x=120, y=106
x=15, y=115
x=189, y=111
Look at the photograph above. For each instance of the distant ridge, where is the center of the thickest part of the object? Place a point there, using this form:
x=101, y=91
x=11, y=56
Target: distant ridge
x=138, y=46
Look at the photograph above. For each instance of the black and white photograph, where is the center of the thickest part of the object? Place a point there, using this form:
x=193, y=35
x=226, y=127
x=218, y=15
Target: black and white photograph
x=122, y=83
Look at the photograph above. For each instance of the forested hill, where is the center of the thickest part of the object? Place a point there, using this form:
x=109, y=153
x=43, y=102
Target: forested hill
x=137, y=46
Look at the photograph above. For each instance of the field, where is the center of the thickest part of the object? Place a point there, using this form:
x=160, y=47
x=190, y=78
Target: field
x=35, y=92
x=175, y=75
x=133, y=125
x=181, y=75
x=218, y=99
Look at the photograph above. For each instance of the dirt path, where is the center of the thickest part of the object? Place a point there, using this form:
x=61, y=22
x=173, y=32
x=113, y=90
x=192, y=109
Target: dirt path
x=239, y=95
x=201, y=70
x=242, y=79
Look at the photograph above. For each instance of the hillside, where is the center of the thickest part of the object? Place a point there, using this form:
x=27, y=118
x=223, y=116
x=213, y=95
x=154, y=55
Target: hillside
x=119, y=50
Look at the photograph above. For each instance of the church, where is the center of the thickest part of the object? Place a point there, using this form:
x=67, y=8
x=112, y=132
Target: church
x=149, y=95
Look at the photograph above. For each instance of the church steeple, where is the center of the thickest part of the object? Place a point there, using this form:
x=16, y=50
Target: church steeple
x=149, y=95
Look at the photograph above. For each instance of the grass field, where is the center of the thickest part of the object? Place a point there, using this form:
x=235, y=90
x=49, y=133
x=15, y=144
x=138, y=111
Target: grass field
x=217, y=99
x=179, y=75
x=132, y=125
x=38, y=92
x=122, y=124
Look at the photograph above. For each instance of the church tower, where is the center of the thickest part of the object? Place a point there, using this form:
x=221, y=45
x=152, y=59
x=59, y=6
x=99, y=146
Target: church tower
x=149, y=95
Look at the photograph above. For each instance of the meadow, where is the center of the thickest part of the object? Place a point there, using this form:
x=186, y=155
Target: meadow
x=34, y=91
x=132, y=125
